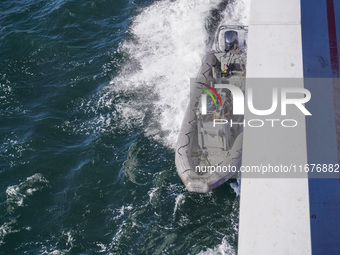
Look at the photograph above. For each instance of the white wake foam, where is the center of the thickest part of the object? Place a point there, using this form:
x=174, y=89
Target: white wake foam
x=222, y=249
x=236, y=186
x=169, y=41
x=237, y=13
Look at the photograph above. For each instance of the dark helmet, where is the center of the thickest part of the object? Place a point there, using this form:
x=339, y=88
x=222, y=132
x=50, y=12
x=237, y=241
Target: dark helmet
x=230, y=39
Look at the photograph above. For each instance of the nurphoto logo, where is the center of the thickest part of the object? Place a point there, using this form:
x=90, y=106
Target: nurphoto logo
x=238, y=104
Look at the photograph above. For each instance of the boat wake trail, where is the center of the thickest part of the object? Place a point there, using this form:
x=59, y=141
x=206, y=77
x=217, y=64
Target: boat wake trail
x=165, y=48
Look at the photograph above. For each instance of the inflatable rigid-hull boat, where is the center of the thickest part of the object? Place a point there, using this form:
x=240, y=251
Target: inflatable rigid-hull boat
x=209, y=146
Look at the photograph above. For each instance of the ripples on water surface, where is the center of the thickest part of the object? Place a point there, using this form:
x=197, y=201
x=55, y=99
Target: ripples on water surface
x=92, y=95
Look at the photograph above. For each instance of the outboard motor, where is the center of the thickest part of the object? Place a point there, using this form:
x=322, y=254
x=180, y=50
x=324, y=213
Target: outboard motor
x=230, y=39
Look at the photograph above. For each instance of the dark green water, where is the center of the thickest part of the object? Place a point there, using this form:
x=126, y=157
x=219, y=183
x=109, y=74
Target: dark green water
x=90, y=103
